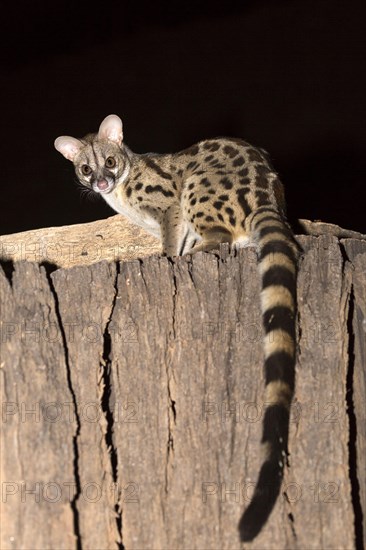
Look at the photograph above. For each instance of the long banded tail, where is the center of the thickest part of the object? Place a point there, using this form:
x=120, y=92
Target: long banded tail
x=277, y=266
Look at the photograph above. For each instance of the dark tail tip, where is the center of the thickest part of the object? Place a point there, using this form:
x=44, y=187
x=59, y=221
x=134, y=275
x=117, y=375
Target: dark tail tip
x=264, y=498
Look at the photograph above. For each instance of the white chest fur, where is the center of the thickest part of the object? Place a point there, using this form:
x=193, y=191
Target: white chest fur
x=144, y=220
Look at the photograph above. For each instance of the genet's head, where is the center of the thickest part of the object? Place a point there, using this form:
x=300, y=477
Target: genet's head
x=100, y=160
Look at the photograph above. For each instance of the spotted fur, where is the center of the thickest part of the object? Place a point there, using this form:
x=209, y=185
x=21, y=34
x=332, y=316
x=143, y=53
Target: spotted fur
x=216, y=191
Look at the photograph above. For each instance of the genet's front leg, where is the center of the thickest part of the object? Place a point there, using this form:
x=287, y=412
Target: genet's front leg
x=172, y=228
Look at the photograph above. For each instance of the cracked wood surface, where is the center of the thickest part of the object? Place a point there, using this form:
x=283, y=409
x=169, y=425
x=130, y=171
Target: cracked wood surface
x=132, y=399
x=110, y=239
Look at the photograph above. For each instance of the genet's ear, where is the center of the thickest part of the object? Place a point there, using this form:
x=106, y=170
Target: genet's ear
x=68, y=146
x=111, y=129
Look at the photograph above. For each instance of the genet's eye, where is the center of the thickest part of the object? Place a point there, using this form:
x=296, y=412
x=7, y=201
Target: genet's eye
x=110, y=162
x=86, y=170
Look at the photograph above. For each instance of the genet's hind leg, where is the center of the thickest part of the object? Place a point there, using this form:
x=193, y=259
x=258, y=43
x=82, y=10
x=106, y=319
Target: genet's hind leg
x=212, y=239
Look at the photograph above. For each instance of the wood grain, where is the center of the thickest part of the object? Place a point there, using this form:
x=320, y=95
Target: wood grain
x=112, y=239
x=152, y=370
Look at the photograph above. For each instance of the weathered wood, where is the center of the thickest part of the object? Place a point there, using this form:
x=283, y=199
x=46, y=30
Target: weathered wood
x=85, y=299
x=161, y=365
x=112, y=239
x=355, y=251
x=319, y=229
x=37, y=452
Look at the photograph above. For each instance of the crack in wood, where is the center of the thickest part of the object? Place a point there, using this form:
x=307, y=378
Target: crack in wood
x=105, y=403
x=172, y=413
x=352, y=422
x=174, y=280
x=74, y=500
x=350, y=403
x=291, y=517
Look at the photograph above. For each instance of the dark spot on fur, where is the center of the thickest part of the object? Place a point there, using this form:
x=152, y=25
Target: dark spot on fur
x=139, y=186
x=193, y=201
x=211, y=146
x=262, y=170
x=220, y=217
x=254, y=155
x=261, y=182
x=270, y=229
x=218, y=205
x=217, y=164
x=231, y=151
x=128, y=191
x=229, y=211
x=243, y=172
x=221, y=230
x=204, y=199
x=209, y=219
x=193, y=150
x=243, y=201
x=150, y=163
x=226, y=183
x=262, y=197
x=159, y=189
x=223, y=172
x=239, y=161
x=208, y=158
x=223, y=197
x=205, y=182
x=199, y=214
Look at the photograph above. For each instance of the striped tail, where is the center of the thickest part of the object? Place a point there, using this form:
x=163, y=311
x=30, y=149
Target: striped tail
x=277, y=266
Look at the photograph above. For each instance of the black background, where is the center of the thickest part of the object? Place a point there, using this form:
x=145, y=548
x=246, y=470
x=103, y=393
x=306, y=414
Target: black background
x=286, y=75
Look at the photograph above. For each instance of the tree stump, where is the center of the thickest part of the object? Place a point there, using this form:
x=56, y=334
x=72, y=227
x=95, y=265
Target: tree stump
x=132, y=401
